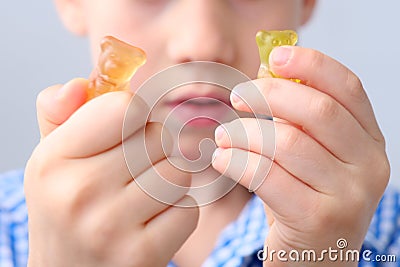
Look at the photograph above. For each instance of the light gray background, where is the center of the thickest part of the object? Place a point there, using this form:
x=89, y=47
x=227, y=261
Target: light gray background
x=37, y=52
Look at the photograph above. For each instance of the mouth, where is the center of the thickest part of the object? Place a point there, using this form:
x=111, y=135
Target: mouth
x=202, y=101
x=202, y=109
x=199, y=101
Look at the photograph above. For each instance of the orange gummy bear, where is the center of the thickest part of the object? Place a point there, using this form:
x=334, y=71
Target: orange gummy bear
x=118, y=62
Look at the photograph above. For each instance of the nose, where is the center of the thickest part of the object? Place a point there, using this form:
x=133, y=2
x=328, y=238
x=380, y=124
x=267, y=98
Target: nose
x=201, y=31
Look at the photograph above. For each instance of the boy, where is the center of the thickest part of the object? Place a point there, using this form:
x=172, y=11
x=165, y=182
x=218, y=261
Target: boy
x=327, y=175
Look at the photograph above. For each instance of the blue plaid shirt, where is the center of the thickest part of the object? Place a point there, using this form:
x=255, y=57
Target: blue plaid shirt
x=238, y=243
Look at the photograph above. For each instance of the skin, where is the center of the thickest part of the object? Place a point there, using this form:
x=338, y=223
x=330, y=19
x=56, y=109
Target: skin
x=83, y=204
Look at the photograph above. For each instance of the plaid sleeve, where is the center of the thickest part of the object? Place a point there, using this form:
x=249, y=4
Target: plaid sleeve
x=237, y=245
x=383, y=237
x=13, y=221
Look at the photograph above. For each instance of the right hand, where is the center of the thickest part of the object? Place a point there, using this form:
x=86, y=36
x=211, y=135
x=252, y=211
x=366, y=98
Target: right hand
x=84, y=207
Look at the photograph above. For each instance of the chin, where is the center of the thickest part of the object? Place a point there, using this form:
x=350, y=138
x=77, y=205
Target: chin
x=196, y=145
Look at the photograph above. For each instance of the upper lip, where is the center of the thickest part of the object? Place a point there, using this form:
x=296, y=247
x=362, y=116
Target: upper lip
x=200, y=96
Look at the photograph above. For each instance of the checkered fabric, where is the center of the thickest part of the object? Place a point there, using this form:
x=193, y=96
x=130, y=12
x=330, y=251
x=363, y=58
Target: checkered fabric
x=237, y=245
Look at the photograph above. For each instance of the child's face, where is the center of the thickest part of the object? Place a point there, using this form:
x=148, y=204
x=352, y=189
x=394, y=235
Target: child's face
x=177, y=31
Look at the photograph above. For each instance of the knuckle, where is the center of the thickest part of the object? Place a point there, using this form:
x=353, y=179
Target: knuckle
x=176, y=171
x=100, y=236
x=316, y=60
x=136, y=112
x=268, y=92
x=153, y=132
x=117, y=101
x=158, y=141
x=269, y=86
x=155, y=126
x=356, y=206
x=137, y=106
x=97, y=232
x=355, y=87
x=385, y=169
x=78, y=195
x=381, y=139
x=39, y=165
x=287, y=138
x=323, y=108
x=381, y=173
x=384, y=172
x=252, y=129
x=156, y=130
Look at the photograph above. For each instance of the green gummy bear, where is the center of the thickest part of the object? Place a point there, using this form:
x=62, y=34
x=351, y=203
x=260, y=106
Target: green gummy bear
x=266, y=41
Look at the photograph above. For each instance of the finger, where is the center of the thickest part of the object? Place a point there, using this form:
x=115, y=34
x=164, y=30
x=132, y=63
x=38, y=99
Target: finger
x=170, y=229
x=99, y=125
x=119, y=165
x=252, y=134
x=238, y=165
x=329, y=76
x=294, y=151
x=146, y=147
x=254, y=102
x=56, y=104
x=155, y=190
x=275, y=186
x=319, y=115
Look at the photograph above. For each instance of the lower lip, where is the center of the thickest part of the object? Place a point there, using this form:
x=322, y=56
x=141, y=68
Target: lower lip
x=201, y=122
x=201, y=115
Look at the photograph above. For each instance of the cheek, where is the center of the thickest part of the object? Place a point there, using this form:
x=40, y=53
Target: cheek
x=247, y=58
x=106, y=17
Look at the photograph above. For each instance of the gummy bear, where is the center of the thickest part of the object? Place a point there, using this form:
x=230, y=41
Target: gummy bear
x=118, y=62
x=266, y=41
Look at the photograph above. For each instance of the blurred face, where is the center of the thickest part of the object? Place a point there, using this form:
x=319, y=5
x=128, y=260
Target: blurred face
x=178, y=31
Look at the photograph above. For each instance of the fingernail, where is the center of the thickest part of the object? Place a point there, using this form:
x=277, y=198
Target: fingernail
x=239, y=92
x=216, y=153
x=219, y=132
x=281, y=55
x=235, y=99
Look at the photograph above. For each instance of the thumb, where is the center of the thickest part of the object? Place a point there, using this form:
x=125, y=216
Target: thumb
x=57, y=103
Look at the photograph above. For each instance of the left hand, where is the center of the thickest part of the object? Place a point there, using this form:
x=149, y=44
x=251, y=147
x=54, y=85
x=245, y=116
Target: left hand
x=328, y=169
